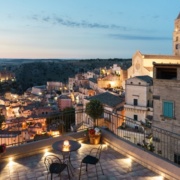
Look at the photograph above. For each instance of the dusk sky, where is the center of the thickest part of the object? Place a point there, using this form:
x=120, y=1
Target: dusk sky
x=86, y=29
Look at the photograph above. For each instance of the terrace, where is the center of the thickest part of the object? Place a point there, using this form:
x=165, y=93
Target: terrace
x=26, y=161
x=123, y=156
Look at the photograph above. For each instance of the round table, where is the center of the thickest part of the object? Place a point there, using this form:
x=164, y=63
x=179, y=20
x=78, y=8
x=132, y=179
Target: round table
x=59, y=146
x=73, y=146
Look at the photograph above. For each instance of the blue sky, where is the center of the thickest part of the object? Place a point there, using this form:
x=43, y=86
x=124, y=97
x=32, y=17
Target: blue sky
x=86, y=28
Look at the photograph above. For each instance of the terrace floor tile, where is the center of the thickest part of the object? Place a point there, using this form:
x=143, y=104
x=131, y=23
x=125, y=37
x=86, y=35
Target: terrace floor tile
x=115, y=167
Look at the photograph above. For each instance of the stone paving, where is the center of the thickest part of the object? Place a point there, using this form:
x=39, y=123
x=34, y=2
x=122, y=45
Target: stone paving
x=115, y=167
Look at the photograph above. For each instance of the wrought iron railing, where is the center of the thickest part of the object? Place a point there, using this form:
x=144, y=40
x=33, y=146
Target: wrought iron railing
x=163, y=143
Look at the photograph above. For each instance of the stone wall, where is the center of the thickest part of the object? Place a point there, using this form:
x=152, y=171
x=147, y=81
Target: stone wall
x=145, y=158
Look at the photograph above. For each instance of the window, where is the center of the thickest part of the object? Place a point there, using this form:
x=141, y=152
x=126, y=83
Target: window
x=168, y=107
x=177, y=158
x=166, y=73
x=135, y=102
x=135, y=117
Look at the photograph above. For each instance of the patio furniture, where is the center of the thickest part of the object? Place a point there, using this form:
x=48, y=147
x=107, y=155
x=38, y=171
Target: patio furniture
x=93, y=158
x=54, y=165
x=66, y=150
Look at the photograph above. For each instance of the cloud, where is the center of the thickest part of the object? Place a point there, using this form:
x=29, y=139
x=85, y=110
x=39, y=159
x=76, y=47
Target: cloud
x=137, y=37
x=46, y=19
x=71, y=23
x=86, y=24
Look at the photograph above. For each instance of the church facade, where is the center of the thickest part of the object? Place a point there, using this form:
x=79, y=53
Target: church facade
x=142, y=64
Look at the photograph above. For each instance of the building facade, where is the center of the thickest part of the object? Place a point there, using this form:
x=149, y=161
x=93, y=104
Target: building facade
x=176, y=37
x=64, y=102
x=166, y=97
x=138, y=98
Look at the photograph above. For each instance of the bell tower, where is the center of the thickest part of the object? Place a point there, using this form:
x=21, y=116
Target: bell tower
x=176, y=37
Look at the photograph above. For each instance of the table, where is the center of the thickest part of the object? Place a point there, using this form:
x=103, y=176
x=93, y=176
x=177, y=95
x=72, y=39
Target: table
x=59, y=146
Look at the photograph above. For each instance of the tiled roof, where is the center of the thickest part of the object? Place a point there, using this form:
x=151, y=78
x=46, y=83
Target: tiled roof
x=108, y=99
x=147, y=79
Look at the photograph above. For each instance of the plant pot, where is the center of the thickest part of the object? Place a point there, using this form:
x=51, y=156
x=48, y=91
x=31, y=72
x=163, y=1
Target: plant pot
x=94, y=139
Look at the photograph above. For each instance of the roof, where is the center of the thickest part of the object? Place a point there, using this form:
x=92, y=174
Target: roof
x=145, y=78
x=64, y=97
x=94, y=80
x=108, y=99
x=150, y=56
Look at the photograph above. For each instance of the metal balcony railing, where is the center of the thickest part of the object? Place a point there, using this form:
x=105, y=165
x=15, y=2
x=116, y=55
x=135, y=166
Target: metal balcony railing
x=157, y=141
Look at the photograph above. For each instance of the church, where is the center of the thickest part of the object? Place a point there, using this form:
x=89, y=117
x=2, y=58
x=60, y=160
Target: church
x=158, y=101
x=142, y=64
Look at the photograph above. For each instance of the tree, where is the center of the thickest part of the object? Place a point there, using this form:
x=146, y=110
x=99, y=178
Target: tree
x=2, y=119
x=94, y=109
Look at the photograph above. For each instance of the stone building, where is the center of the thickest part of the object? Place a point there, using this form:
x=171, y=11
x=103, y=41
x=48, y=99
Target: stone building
x=6, y=76
x=138, y=99
x=176, y=36
x=142, y=64
x=64, y=101
x=54, y=86
x=166, y=96
x=109, y=81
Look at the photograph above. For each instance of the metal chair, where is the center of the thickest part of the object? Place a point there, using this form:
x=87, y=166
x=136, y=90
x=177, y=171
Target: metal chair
x=55, y=165
x=93, y=158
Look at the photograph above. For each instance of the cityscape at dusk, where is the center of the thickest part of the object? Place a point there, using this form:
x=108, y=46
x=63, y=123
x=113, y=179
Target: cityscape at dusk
x=86, y=29
x=89, y=90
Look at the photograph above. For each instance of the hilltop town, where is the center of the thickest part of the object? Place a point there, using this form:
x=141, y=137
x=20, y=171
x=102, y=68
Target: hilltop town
x=138, y=94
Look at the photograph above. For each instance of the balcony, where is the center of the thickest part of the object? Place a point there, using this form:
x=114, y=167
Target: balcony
x=119, y=159
x=142, y=108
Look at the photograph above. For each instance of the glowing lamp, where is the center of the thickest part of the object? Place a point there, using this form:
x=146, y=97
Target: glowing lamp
x=66, y=143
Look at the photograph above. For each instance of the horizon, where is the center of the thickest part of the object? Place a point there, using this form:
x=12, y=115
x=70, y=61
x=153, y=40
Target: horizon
x=86, y=30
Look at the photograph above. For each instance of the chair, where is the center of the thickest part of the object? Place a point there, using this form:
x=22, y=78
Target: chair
x=93, y=158
x=55, y=165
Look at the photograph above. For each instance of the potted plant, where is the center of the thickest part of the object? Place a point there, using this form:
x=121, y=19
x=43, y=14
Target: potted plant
x=94, y=135
x=94, y=109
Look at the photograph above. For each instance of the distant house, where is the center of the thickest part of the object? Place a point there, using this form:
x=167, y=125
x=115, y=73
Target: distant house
x=6, y=76
x=109, y=81
x=13, y=137
x=54, y=85
x=38, y=90
x=64, y=101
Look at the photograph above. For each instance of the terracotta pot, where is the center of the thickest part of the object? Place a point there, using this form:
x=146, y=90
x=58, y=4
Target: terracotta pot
x=94, y=139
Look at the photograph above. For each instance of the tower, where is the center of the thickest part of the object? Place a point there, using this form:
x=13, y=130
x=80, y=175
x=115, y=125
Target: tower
x=176, y=37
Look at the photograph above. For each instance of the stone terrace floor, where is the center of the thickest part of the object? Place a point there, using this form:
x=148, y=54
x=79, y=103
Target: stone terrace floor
x=115, y=166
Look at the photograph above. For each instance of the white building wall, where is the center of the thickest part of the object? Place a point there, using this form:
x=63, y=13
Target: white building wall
x=140, y=90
